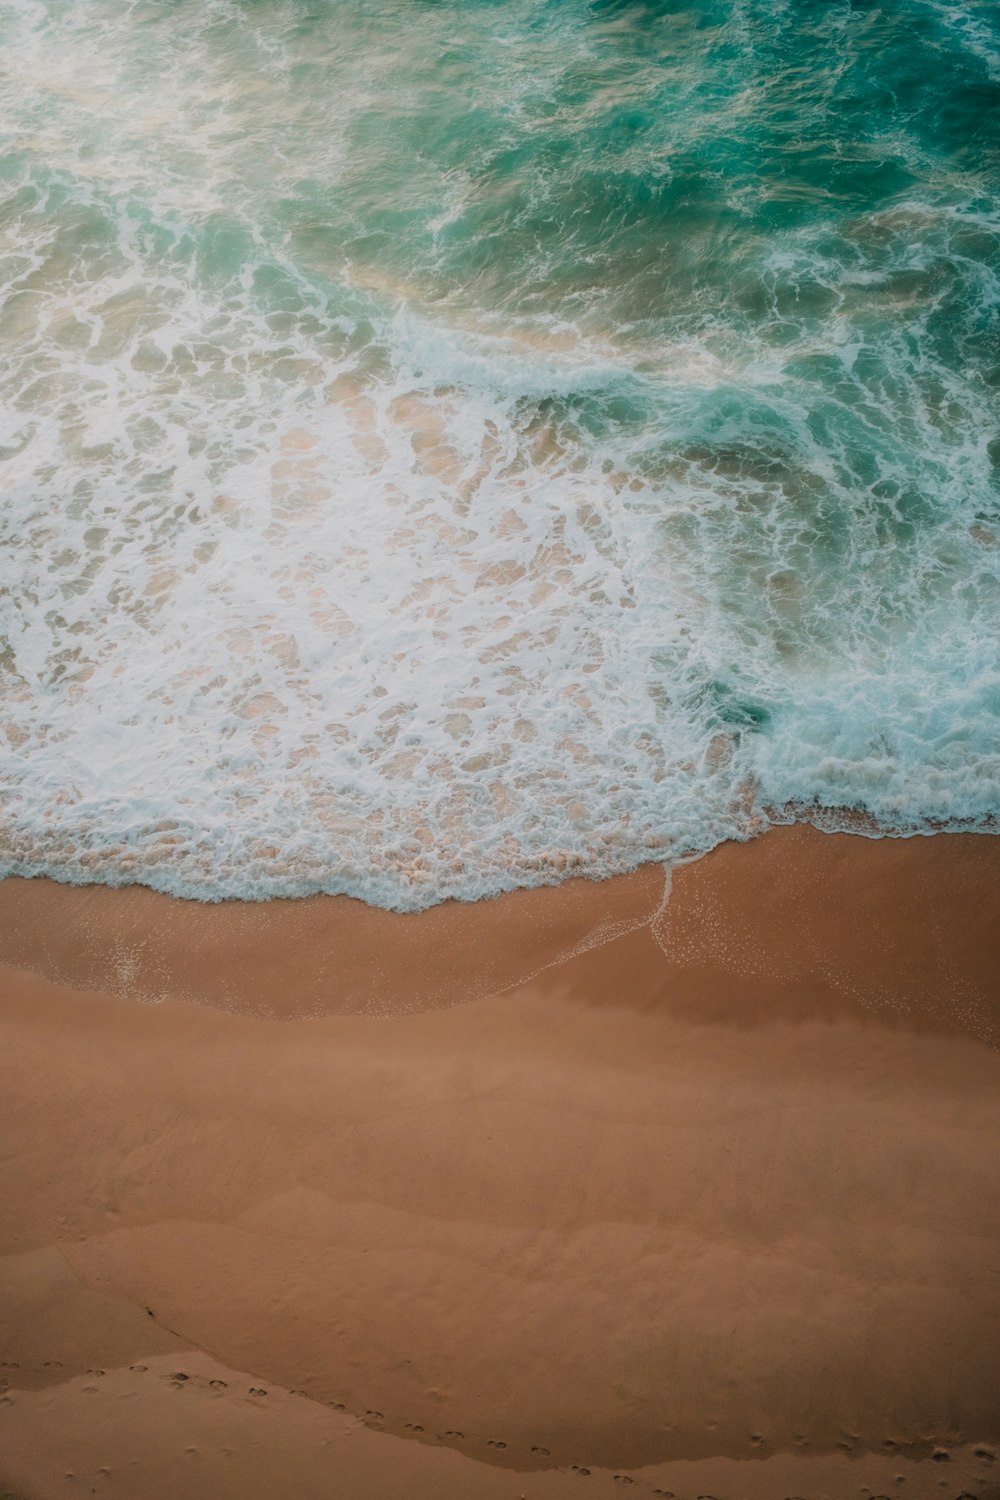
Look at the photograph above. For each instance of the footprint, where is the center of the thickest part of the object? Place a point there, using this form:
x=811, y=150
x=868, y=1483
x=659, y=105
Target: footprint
x=218, y=1385
x=577, y=1469
x=179, y=1375
x=455, y=1434
x=667, y=1494
x=139, y=1369
x=376, y=1416
x=337, y=1405
x=986, y=1454
x=413, y=1427
x=257, y=1390
x=495, y=1443
x=542, y=1452
x=624, y=1479
x=940, y=1456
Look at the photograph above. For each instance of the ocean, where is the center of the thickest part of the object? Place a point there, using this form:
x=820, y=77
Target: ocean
x=452, y=445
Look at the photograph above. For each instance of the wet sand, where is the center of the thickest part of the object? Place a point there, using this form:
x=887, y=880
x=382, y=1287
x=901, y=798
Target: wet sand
x=700, y=1196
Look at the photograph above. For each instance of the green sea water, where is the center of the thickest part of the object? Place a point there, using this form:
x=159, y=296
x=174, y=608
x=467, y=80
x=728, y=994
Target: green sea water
x=448, y=445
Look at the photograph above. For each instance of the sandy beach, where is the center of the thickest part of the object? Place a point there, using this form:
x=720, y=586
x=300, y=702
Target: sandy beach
x=690, y=1186
x=459, y=462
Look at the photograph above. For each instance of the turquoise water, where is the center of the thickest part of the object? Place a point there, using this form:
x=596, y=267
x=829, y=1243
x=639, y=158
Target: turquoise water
x=447, y=446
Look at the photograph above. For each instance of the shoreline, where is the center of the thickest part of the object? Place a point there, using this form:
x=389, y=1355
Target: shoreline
x=792, y=918
x=699, y=1196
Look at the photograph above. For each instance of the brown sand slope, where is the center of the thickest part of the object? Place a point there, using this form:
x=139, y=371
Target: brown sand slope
x=711, y=1205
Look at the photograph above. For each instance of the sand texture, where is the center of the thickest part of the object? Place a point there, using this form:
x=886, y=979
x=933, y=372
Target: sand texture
x=573, y=1192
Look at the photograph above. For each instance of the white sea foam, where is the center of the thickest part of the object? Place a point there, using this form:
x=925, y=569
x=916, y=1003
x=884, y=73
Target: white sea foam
x=328, y=576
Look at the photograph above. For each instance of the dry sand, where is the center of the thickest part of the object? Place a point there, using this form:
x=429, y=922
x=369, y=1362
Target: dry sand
x=702, y=1198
